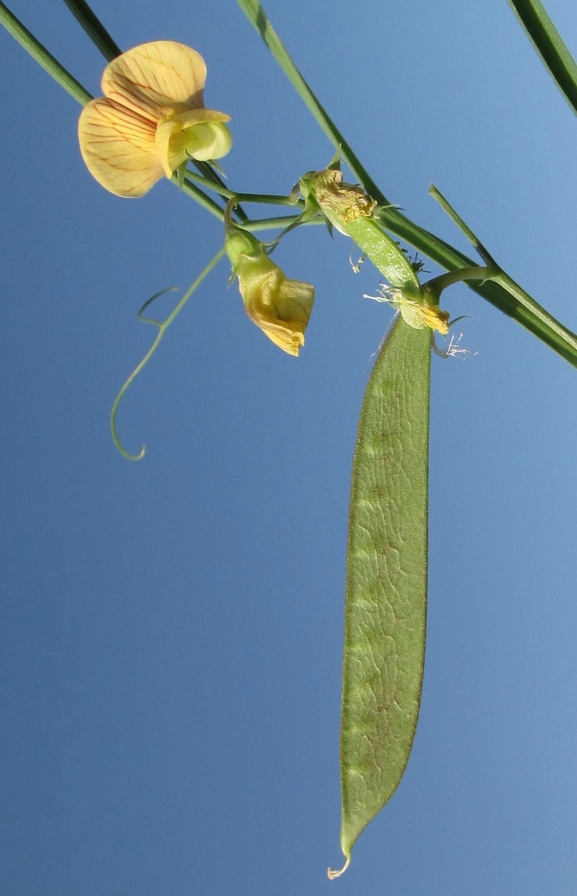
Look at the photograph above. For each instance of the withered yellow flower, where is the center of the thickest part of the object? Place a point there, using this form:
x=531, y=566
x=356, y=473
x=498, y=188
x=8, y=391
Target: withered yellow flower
x=151, y=119
x=416, y=309
x=341, y=203
x=344, y=204
x=420, y=315
x=279, y=306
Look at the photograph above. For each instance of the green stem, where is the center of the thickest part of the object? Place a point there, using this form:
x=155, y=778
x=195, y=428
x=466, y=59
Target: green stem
x=550, y=46
x=268, y=199
x=94, y=28
x=496, y=274
x=436, y=286
x=260, y=21
x=205, y=201
x=548, y=321
x=278, y=223
x=212, y=176
x=260, y=224
x=42, y=56
x=455, y=216
x=262, y=198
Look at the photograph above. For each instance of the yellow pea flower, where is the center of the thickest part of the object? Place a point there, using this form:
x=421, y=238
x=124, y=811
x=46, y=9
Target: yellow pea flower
x=279, y=306
x=151, y=119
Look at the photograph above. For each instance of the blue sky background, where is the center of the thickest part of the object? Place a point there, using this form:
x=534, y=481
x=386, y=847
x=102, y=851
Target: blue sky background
x=172, y=630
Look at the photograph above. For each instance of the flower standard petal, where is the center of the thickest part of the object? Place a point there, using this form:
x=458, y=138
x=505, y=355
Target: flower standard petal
x=119, y=148
x=156, y=79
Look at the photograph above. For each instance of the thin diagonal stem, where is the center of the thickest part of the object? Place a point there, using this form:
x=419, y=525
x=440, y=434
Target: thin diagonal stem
x=260, y=21
x=199, y=196
x=278, y=223
x=213, y=176
x=549, y=45
x=497, y=275
x=42, y=56
x=94, y=28
x=262, y=198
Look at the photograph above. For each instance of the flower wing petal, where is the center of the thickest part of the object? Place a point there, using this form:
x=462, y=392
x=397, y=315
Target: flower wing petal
x=174, y=144
x=156, y=79
x=211, y=140
x=119, y=148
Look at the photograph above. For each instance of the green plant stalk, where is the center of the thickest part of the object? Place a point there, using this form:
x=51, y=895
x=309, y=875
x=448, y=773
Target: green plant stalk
x=213, y=176
x=437, y=285
x=260, y=21
x=549, y=45
x=556, y=336
x=262, y=198
x=199, y=196
x=496, y=274
x=42, y=56
x=94, y=28
x=277, y=223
